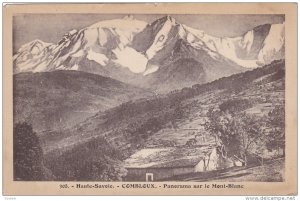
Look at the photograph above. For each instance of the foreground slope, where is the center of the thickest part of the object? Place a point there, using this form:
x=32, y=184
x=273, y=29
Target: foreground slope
x=163, y=121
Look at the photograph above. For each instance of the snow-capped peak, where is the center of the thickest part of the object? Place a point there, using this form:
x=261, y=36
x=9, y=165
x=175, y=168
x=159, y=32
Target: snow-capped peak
x=72, y=32
x=161, y=37
x=128, y=23
x=171, y=19
x=273, y=46
x=34, y=46
x=128, y=17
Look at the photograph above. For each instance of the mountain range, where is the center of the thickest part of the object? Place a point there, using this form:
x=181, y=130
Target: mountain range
x=163, y=55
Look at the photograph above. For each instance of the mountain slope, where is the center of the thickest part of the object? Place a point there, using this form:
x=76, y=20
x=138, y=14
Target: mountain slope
x=247, y=85
x=165, y=120
x=188, y=71
x=59, y=99
x=187, y=66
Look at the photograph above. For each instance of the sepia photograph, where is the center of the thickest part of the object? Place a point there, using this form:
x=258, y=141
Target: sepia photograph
x=149, y=97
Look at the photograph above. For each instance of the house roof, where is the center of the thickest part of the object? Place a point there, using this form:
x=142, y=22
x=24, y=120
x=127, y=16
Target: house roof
x=167, y=157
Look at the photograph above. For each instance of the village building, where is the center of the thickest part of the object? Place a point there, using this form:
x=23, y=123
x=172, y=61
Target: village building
x=155, y=164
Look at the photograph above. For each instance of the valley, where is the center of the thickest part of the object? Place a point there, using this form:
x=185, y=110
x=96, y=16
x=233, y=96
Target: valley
x=60, y=99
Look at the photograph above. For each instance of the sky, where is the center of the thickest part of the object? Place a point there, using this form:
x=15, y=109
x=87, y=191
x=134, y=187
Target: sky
x=51, y=27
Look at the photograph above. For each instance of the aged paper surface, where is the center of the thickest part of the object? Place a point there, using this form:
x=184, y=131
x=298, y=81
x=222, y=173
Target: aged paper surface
x=150, y=99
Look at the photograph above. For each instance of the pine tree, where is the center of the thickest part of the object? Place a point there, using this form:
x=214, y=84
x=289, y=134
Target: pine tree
x=27, y=153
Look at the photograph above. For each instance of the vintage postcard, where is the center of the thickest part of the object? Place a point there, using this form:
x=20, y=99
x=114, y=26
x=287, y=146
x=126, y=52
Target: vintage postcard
x=150, y=99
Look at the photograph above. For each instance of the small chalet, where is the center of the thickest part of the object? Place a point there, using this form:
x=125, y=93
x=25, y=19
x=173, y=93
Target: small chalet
x=154, y=164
